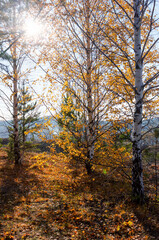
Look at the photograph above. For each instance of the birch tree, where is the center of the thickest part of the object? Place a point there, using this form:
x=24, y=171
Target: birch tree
x=77, y=66
x=15, y=97
x=137, y=171
x=10, y=72
x=13, y=73
x=137, y=25
x=130, y=48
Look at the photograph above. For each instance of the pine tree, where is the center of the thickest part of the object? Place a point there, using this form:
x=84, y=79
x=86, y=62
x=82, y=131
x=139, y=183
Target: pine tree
x=27, y=117
x=28, y=114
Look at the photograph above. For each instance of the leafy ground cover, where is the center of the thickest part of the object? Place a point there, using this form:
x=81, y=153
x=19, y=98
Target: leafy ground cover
x=58, y=201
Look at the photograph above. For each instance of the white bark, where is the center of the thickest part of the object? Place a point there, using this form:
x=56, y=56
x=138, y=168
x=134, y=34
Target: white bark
x=15, y=98
x=137, y=171
x=90, y=148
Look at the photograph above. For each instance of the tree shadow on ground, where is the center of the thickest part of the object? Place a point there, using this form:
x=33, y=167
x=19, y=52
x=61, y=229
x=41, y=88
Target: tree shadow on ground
x=16, y=182
x=148, y=216
x=106, y=185
x=110, y=192
x=21, y=189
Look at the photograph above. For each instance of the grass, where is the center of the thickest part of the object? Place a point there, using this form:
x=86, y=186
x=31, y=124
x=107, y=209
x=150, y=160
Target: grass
x=58, y=201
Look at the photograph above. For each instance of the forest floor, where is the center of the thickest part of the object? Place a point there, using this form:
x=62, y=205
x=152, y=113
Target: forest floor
x=56, y=201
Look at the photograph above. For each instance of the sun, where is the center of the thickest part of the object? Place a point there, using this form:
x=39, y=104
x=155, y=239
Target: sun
x=32, y=28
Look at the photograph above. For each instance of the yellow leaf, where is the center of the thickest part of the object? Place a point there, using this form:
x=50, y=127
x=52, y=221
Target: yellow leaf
x=130, y=223
x=118, y=228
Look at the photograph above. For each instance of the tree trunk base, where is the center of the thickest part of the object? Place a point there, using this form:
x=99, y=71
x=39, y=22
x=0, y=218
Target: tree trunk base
x=88, y=167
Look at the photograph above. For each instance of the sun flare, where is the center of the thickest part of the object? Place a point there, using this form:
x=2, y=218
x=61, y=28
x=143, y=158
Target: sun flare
x=32, y=28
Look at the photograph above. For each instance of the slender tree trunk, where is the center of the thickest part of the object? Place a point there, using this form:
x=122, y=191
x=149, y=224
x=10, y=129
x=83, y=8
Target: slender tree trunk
x=156, y=177
x=90, y=144
x=97, y=99
x=15, y=114
x=23, y=128
x=137, y=171
x=23, y=118
x=15, y=100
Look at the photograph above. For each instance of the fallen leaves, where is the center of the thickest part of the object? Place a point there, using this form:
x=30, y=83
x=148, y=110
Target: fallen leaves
x=50, y=203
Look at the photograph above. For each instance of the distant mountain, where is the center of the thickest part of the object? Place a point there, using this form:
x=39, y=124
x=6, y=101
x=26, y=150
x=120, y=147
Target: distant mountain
x=150, y=123
x=4, y=132
x=4, y=127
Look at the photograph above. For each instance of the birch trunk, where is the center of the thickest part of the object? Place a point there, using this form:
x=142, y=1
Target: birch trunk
x=15, y=100
x=90, y=143
x=137, y=170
